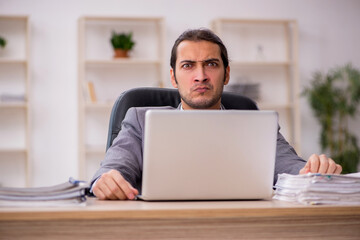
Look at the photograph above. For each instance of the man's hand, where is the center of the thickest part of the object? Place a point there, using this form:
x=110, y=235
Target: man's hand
x=112, y=185
x=321, y=164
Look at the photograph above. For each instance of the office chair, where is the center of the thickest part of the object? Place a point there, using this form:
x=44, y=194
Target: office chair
x=150, y=96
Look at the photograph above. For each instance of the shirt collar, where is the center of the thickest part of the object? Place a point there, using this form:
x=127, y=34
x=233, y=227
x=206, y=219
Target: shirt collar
x=181, y=108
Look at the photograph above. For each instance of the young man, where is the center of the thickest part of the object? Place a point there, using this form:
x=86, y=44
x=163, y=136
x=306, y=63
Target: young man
x=199, y=70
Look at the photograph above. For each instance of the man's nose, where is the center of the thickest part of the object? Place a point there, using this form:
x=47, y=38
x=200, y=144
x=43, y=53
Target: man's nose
x=201, y=75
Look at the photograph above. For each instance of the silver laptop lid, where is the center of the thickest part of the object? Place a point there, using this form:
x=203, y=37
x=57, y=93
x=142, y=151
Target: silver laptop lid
x=194, y=155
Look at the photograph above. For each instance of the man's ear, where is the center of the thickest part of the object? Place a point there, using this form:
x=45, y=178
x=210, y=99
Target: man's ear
x=173, y=79
x=227, y=75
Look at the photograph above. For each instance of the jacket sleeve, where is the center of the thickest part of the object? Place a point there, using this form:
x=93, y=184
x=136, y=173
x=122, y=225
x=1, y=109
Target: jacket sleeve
x=287, y=160
x=125, y=154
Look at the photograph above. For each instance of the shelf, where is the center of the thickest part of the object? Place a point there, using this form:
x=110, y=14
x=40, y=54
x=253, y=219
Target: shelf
x=259, y=64
x=99, y=105
x=265, y=52
x=12, y=61
x=134, y=61
x=274, y=106
x=254, y=21
x=15, y=108
x=13, y=150
x=109, y=76
x=123, y=19
x=14, y=17
x=13, y=105
x=95, y=149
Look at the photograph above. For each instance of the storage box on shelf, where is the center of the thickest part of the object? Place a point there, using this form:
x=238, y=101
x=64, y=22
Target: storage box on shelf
x=102, y=77
x=263, y=53
x=14, y=102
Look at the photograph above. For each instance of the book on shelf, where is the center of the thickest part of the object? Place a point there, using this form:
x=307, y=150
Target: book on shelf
x=91, y=91
x=88, y=90
x=67, y=193
x=315, y=188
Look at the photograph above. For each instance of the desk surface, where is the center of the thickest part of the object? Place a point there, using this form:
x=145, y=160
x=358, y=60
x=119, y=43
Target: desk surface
x=181, y=220
x=97, y=209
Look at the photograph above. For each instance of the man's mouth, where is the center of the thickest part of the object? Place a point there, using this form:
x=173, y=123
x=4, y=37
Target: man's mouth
x=201, y=89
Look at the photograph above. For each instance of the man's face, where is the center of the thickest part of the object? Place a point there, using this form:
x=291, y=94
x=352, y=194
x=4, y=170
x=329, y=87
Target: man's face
x=200, y=75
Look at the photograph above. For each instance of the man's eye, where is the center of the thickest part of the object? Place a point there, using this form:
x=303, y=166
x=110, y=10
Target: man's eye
x=186, y=65
x=212, y=64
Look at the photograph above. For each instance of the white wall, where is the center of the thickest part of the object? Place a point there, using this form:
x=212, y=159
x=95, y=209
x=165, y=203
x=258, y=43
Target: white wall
x=329, y=35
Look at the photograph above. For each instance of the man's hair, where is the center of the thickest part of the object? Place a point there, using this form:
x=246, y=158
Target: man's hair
x=196, y=35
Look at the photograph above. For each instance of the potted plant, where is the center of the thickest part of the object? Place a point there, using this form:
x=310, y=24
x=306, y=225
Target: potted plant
x=122, y=43
x=2, y=42
x=334, y=98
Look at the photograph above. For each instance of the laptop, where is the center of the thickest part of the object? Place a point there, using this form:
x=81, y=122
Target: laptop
x=209, y=154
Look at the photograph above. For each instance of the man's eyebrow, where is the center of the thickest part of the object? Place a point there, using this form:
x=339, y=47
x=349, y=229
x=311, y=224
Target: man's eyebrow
x=206, y=60
x=187, y=61
x=211, y=60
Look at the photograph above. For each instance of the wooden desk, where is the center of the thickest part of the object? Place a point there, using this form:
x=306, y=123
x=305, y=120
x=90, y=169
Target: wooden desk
x=181, y=220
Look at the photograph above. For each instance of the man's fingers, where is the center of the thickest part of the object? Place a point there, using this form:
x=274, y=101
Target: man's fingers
x=332, y=166
x=112, y=185
x=108, y=192
x=109, y=187
x=134, y=190
x=313, y=163
x=303, y=170
x=321, y=164
x=126, y=189
x=306, y=168
x=112, y=189
x=338, y=169
x=324, y=164
x=98, y=193
x=102, y=191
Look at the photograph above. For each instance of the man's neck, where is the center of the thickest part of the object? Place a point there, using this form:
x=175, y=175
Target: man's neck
x=180, y=107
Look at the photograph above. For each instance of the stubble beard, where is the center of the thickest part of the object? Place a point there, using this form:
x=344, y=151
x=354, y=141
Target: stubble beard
x=205, y=103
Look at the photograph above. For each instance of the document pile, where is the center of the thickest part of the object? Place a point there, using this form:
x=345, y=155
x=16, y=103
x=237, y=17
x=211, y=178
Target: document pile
x=68, y=193
x=314, y=188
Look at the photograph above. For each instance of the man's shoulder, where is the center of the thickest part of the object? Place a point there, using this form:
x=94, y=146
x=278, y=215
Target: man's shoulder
x=148, y=108
x=140, y=110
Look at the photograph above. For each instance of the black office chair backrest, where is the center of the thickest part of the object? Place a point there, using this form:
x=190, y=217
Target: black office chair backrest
x=152, y=97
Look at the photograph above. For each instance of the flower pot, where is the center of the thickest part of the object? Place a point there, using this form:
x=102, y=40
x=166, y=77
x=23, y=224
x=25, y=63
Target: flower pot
x=121, y=53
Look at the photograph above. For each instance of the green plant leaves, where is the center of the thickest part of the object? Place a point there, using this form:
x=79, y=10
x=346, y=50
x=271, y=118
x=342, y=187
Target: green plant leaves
x=2, y=42
x=122, y=41
x=334, y=98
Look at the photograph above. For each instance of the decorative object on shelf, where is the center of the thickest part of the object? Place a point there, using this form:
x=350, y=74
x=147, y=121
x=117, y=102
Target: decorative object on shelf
x=8, y=97
x=334, y=98
x=260, y=56
x=91, y=92
x=250, y=90
x=122, y=44
x=2, y=42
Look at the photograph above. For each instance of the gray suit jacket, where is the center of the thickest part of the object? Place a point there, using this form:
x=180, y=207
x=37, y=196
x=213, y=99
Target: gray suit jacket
x=126, y=152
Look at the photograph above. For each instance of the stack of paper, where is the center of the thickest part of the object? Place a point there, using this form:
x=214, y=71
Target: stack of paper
x=316, y=188
x=68, y=193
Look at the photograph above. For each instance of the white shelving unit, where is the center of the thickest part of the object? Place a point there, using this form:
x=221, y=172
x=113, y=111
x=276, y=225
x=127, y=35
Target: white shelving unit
x=265, y=52
x=14, y=114
x=110, y=77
